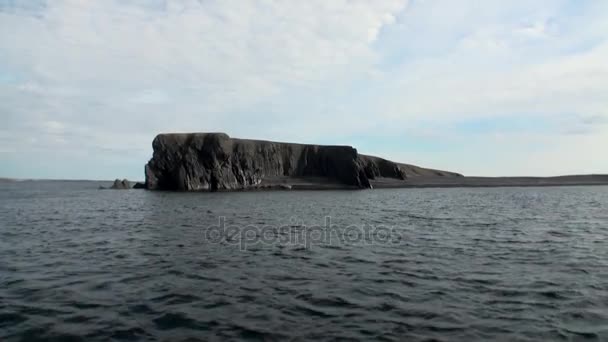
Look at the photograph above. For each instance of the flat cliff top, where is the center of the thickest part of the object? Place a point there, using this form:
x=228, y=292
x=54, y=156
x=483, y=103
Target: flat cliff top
x=409, y=169
x=201, y=135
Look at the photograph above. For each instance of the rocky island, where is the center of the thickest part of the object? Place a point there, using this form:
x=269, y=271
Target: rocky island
x=217, y=162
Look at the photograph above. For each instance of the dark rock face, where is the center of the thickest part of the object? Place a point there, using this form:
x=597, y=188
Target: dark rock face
x=377, y=167
x=139, y=185
x=121, y=184
x=214, y=161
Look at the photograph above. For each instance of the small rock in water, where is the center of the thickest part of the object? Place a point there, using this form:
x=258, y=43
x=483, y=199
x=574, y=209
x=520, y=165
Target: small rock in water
x=121, y=184
x=139, y=185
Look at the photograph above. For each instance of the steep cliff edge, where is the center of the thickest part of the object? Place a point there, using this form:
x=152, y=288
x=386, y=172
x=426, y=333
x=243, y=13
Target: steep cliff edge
x=214, y=161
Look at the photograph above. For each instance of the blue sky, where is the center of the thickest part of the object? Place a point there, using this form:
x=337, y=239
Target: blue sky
x=479, y=87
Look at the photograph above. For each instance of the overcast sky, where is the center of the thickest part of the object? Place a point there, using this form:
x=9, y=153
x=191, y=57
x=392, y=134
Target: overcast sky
x=487, y=87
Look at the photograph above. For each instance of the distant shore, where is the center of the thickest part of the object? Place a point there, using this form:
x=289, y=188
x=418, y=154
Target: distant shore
x=322, y=183
x=316, y=183
x=12, y=180
x=470, y=182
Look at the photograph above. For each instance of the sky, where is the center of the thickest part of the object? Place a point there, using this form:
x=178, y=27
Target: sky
x=490, y=88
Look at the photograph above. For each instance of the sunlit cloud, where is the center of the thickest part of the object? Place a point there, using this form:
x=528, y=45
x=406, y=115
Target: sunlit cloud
x=92, y=82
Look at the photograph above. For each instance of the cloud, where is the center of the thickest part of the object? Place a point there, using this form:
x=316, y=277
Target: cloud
x=98, y=79
x=219, y=56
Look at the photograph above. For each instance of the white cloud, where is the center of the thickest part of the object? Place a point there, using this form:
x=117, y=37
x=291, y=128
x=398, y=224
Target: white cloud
x=106, y=76
x=228, y=55
x=564, y=85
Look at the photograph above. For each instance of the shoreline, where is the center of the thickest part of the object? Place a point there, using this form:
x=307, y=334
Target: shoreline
x=321, y=183
x=492, y=182
x=317, y=184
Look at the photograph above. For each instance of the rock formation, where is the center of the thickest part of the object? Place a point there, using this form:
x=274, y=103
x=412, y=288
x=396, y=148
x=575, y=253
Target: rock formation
x=139, y=185
x=121, y=184
x=214, y=161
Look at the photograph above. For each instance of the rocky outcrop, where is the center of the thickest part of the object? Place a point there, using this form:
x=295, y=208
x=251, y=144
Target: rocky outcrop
x=214, y=161
x=121, y=184
x=139, y=185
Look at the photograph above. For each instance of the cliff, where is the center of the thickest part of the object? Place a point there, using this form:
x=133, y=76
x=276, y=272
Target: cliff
x=214, y=161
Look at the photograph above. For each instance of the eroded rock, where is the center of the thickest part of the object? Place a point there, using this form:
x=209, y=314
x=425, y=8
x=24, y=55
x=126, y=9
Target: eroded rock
x=121, y=184
x=214, y=162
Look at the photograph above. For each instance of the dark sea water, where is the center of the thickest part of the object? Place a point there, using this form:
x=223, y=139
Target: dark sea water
x=516, y=264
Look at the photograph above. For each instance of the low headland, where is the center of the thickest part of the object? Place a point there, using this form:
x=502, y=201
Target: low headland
x=217, y=162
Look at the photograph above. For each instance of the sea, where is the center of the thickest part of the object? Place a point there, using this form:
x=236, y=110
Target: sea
x=464, y=264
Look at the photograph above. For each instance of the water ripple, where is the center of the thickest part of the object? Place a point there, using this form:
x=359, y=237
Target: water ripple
x=77, y=264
